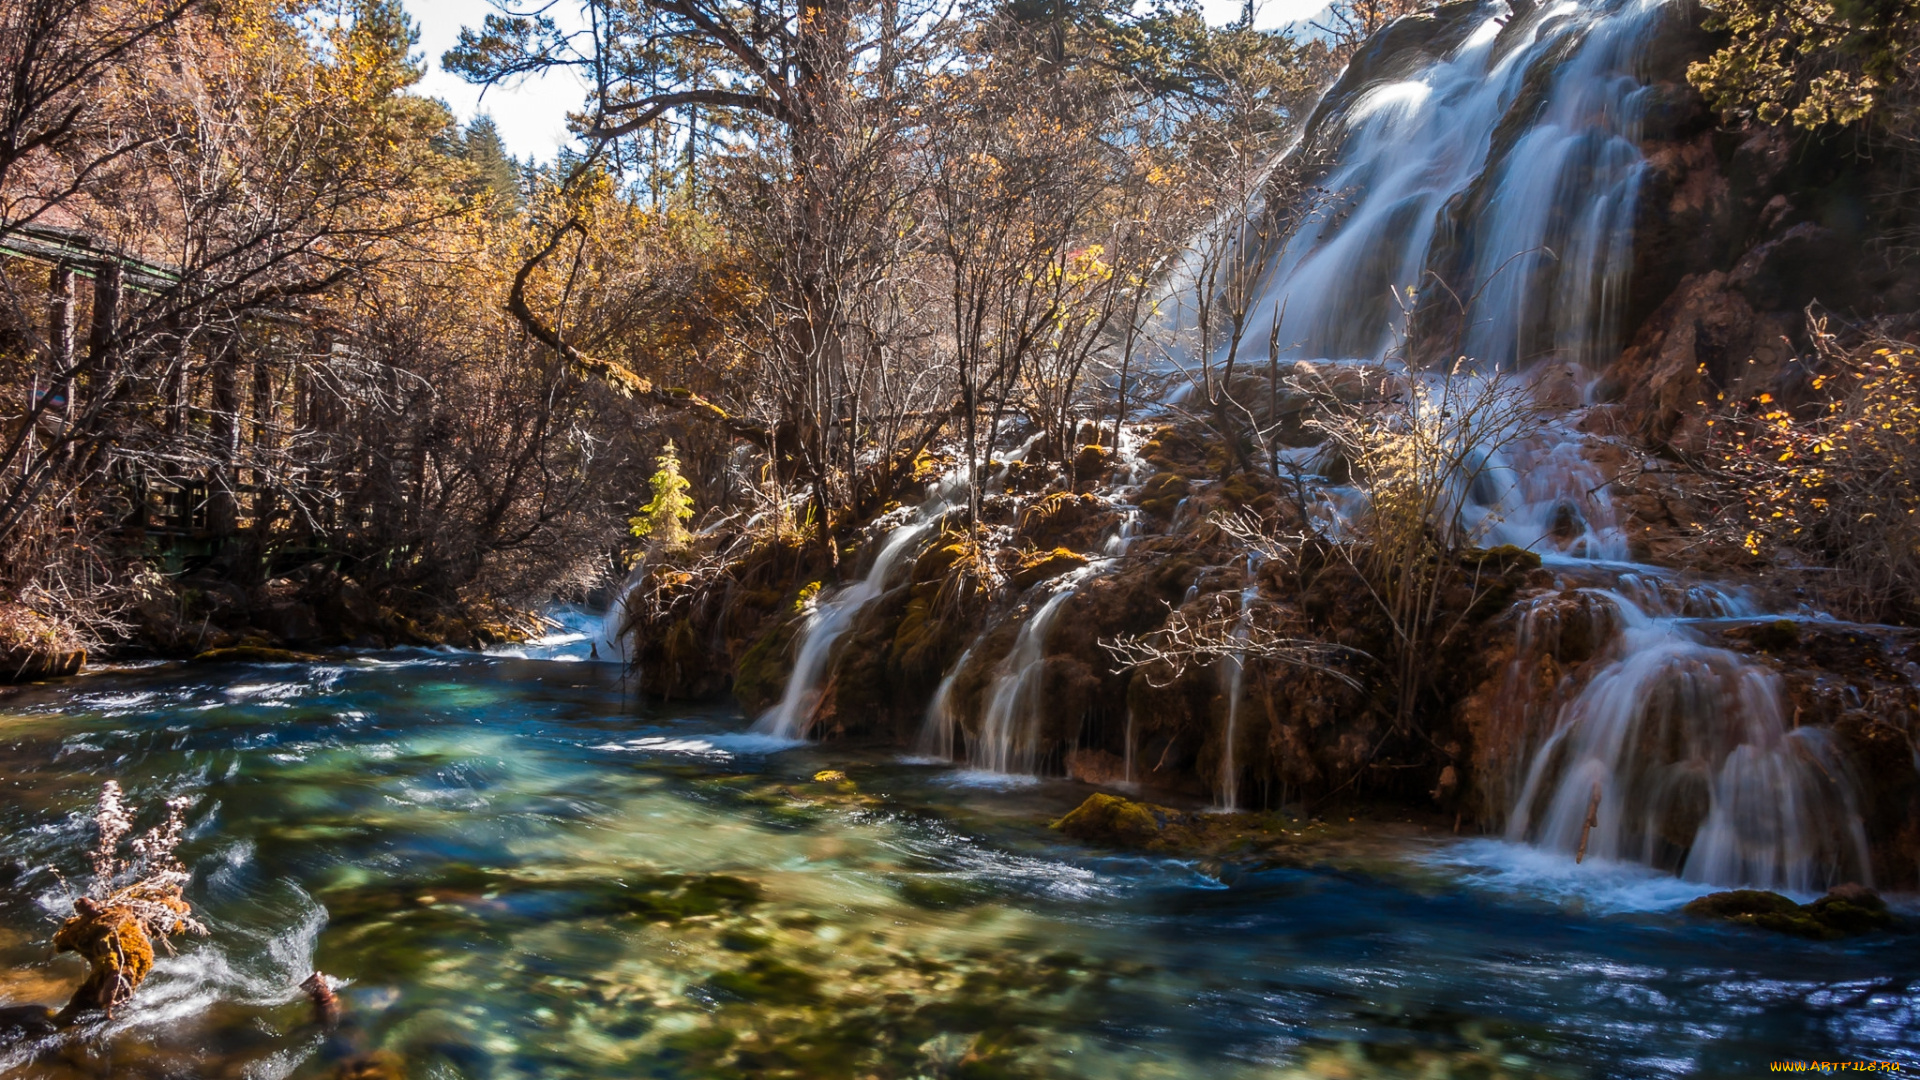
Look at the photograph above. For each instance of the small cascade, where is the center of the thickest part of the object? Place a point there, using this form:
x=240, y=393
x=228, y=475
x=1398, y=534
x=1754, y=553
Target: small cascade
x=830, y=618
x=939, y=737
x=1233, y=673
x=1547, y=496
x=1679, y=755
x=1009, y=739
x=1123, y=536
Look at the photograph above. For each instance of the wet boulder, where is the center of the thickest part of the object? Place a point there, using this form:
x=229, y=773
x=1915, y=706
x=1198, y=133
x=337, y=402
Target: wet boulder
x=1162, y=494
x=1116, y=822
x=1846, y=909
x=119, y=954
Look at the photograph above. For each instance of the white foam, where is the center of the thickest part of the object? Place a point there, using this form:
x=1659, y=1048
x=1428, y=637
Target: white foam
x=987, y=779
x=713, y=747
x=1599, y=886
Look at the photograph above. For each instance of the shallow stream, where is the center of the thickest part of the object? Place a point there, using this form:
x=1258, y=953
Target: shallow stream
x=519, y=871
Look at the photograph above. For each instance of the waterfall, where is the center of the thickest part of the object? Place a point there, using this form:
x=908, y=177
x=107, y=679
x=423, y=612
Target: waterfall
x=1472, y=172
x=939, y=735
x=1010, y=721
x=1233, y=672
x=831, y=617
x=1009, y=739
x=1478, y=198
x=1548, y=498
x=1678, y=754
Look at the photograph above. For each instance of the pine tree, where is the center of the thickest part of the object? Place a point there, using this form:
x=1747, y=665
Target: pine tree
x=496, y=169
x=664, y=519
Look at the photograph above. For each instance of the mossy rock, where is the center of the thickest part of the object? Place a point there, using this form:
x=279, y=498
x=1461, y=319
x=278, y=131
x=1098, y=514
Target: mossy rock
x=256, y=654
x=939, y=560
x=744, y=941
x=760, y=674
x=674, y=897
x=1162, y=494
x=937, y=892
x=1846, y=909
x=1092, y=460
x=1112, y=820
x=1852, y=909
x=1038, y=566
x=118, y=952
x=1242, y=489
x=378, y=1065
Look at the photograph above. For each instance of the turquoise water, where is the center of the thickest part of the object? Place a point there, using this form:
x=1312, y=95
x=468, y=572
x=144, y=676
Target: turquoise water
x=519, y=871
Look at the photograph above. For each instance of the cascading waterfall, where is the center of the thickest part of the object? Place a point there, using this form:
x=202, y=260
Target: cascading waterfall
x=1678, y=754
x=832, y=617
x=1506, y=167
x=1518, y=195
x=1550, y=499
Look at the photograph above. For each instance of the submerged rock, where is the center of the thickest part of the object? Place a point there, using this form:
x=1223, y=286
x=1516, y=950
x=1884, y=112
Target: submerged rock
x=1846, y=909
x=379, y=1065
x=256, y=654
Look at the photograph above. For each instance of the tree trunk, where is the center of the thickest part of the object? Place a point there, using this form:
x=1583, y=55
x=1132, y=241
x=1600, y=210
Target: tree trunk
x=223, y=433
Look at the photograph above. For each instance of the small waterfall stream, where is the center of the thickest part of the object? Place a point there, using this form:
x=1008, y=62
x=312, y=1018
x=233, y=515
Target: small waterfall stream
x=1233, y=672
x=1010, y=717
x=1008, y=737
x=831, y=618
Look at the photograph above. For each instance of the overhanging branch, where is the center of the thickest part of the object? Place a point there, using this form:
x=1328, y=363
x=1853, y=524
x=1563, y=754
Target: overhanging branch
x=623, y=380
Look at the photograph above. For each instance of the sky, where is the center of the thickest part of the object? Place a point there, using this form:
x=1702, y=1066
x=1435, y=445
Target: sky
x=532, y=116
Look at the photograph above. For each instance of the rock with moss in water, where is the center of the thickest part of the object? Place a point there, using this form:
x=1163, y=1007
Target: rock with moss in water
x=118, y=952
x=1112, y=820
x=1844, y=910
x=1501, y=559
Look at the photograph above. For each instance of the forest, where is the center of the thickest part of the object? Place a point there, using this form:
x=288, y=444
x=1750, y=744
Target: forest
x=960, y=539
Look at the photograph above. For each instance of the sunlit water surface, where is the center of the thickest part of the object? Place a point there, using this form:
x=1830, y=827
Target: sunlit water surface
x=521, y=872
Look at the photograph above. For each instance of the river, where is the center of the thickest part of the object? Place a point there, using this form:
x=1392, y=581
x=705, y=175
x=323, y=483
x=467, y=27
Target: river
x=518, y=870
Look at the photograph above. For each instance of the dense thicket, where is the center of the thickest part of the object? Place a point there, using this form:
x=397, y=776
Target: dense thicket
x=277, y=331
